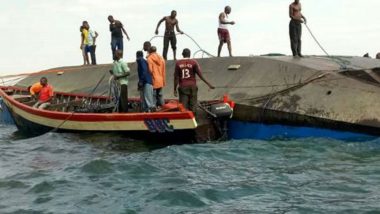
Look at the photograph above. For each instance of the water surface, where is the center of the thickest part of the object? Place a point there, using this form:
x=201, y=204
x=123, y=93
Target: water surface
x=97, y=173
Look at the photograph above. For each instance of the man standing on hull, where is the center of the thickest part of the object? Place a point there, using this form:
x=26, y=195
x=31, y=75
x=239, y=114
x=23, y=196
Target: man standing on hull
x=184, y=75
x=223, y=33
x=117, y=30
x=170, y=23
x=295, y=28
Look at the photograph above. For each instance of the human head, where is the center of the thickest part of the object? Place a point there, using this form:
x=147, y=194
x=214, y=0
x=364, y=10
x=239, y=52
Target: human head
x=173, y=14
x=43, y=81
x=227, y=9
x=147, y=46
x=378, y=55
x=118, y=54
x=296, y=1
x=366, y=55
x=186, y=53
x=110, y=19
x=139, y=54
x=85, y=25
x=152, y=49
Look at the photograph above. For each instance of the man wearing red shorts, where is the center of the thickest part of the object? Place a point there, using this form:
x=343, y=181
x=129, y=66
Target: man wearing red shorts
x=223, y=34
x=184, y=75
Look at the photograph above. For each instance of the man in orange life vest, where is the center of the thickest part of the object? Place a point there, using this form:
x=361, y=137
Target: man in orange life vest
x=184, y=75
x=44, y=91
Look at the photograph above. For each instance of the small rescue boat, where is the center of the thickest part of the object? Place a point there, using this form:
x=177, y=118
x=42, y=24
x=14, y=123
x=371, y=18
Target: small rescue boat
x=86, y=113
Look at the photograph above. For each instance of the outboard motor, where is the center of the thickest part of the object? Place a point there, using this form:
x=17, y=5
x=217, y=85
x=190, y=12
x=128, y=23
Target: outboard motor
x=221, y=111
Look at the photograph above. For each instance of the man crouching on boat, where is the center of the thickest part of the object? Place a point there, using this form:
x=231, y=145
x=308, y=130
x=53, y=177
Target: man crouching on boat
x=44, y=91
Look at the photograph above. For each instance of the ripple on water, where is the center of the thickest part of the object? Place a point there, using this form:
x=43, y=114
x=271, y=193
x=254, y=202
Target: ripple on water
x=98, y=167
x=42, y=187
x=179, y=198
x=12, y=184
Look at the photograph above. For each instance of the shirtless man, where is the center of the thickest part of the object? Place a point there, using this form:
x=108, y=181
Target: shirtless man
x=295, y=28
x=170, y=23
x=223, y=33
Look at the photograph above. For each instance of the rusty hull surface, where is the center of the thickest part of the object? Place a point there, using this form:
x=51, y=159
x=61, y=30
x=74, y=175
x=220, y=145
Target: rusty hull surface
x=339, y=92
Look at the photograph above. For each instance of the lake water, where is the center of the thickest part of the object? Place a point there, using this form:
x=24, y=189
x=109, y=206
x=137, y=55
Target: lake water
x=97, y=173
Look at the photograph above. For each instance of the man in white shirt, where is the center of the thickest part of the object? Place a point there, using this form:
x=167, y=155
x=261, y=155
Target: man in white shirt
x=223, y=33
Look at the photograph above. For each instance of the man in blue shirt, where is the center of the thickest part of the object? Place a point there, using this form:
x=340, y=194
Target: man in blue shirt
x=145, y=83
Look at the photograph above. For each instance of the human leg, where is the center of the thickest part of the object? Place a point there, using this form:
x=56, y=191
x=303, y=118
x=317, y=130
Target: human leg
x=220, y=37
x=120, y=45
x=173, y=43
x=166, y=46
x=299, y=34
x=293, y=37
x=123, y=107
x=92, y=53
x=158, y=97
x=113, y=47
x=148, y=96
x=184, y=94
x=36, y=104
x=142, y=100
x=193, y=99
x=229, y=47
x=84, y=54
x=43, y=105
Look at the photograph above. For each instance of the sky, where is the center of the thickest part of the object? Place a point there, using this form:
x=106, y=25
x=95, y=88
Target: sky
x=42, y=34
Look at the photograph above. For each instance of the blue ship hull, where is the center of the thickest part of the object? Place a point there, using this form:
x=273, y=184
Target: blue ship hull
x=260, y=131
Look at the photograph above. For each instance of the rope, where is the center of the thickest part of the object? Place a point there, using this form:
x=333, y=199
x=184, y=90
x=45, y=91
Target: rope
x=340, y=62
x=291, y=88
x=192, y=39
x=68, y=117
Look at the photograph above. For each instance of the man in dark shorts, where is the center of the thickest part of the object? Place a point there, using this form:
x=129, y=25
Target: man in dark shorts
x=295, y=28
x=170, y=23
x=184, y=75
x=117, y=30
x=223, y=33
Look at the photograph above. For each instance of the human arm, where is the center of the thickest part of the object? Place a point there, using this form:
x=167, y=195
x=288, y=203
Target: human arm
x=125, y=32
x=158, y=25
x=125, y=70
x=96, y=36
x=82, y=41
x=120, y=70
x=177, y=27
x=222, y=20
x=163, y=70
x=176, y=80
x=34, y=90
x=199, y=73
x=304, y=18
